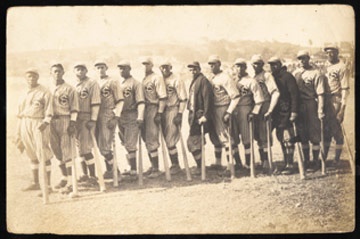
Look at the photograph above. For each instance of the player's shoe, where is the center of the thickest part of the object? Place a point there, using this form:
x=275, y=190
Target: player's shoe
x=149, y=171
x=83, y=179
x=155, y=173
x=91, y=182
x=50, y=190
x=216, y=167
x=195, y=170
x=288, y=170
x=237, y=167
x=175, y=169
x=108, y=175
x=61, y=184
x=66, y=190
x=32, y=187
x=225, y=173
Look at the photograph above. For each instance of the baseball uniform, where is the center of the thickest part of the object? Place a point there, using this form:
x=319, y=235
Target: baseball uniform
x=337, y=81
x=89, y=100
x=176, y=93
x=66, y=107
x=250, y=94
x=133, y=96
x=224, y=89
x=111, y=95
x=311, y=85
x=35, y=108
x=154, y=91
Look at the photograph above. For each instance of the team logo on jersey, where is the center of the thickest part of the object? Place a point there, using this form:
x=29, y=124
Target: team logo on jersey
x=36, y=102
x=63, y=100
x=105, y=91
x=150, y=88
x=170, y=89
x=334, y=75
x=243, y=91
x=84, y=93
x=127, y=92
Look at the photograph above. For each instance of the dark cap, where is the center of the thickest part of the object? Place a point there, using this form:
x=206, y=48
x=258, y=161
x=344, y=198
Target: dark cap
x=194, y=64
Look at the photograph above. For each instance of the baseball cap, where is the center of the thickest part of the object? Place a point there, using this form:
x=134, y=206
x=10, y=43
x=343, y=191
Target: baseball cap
x=240, y=61
x=331, y=46
x=165, y=63
x=32, y=70
x=256, y=59
x=100, y=62
x=302, y=53
x=77, y=64
x=147, y=60
x=274, y=59
x=214, y=59
x=57, y=64
x=123, y=63
x=194, y=64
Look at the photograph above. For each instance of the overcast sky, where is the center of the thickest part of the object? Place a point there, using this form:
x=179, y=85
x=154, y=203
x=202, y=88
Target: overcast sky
x=37, y=28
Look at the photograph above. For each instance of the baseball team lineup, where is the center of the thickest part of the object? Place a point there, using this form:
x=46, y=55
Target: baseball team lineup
x=81, y=123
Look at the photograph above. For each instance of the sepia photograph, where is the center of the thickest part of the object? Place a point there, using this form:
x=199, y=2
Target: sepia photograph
x=227, y=119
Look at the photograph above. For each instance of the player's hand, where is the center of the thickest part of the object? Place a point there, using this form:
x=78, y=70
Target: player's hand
x=202, y=120
x=226, y=117
x=293, y=117
x=91, y=124
x=157, y=118
x=267, y=115
x=72, y=128
x=340, y=116
x=111, y=124
x=251, y=116
x=43, y=126
x=178, y=119
x=321, y=115
x=140, y=123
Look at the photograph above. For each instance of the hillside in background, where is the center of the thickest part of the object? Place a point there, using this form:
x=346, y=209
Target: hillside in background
x=179, y=53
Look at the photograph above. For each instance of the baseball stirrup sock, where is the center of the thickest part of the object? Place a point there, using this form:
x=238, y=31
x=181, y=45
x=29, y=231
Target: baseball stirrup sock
x=338, y=150
x=68, y=164
x=236, y=155
x=48, y=171
x=306, y=152
x=173, y=155
x=109, y=161
x=131, y=156
x=261, y=152
x=247, y=154
x=154, y=158
x=84, y=167
x=35, y=173
x=315, y=151
x=227, y=153
x=90, y=162
x=218, y=154
x=197, y=156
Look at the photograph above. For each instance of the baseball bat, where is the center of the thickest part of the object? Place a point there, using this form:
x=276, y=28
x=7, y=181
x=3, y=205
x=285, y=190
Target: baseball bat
x=186, y=163
x=115, y=166
x=231, y=158
x=140, y=166
x=322, y=148
x=268, y=135
x=252, y=162
x=301, y=156
x=352, y=162
x=97, y=163
x=44, y=189
x=166, y=164
x=75, y=155
x=203, y=171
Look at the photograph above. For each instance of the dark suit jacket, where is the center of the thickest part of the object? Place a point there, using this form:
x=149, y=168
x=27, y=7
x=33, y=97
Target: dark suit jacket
x=203, y=101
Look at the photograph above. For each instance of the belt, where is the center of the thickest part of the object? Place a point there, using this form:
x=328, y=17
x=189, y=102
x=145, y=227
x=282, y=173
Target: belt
x=59, y=116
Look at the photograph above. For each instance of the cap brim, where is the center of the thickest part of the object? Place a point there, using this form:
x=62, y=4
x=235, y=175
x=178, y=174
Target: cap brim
x=330, y=48
x=192, y=66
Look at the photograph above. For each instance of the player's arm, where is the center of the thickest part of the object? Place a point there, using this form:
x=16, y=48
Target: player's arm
x=230, y=87
x=274, y=92
x=320, y=91
x=74, y=105
x=344, y=93
x=95, y=102
x=140, y=101
x=208, y=98
x=118, y=97
x=161, y=92
x=294, y=96
x=182, y=95
x=258, y=97
x=48, y=110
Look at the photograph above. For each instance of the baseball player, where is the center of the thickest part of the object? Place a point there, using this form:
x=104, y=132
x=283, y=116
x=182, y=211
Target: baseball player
x=311, y=108
x=63, y=122
x=249, y=105
x=336, y=92
x=89, y=103
x=271, y=95
x=155, y=96
x=285, y=112
x=199, y=105
x=226, y=98
x=172, y=117
x=112, y=101
x=132, y=115
x=34, y=114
